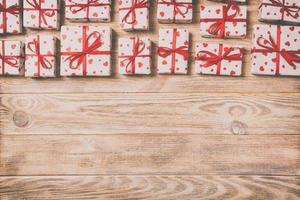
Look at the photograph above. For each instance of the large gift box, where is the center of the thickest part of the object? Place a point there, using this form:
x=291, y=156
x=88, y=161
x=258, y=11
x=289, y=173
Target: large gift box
x=41, y=14
x=173, y=51
x=10, y=17
x=175, y=11
x=276, y=50
x=134, y=55
x=11, y=57
x=223, y=21
x=218, y=59
x=85, y=51
x=40, y=56
x=88, y=10
x=134, y=14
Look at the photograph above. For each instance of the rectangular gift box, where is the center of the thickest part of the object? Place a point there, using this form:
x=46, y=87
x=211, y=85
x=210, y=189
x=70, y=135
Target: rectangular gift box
x=276, y=50
x=134, y=55
x=223, y=21
x=41, y=14
x=88, y=10
x=219, y=59
x=11, y=57
x=10, y=16
x=179, y=11
x=230, y=1
x=284, y=11
x=85, y=51
x=173, y=51
x=40, y=56
x=134, y=14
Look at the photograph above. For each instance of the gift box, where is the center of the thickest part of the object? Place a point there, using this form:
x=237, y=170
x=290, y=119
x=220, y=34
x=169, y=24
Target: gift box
x=230, y=1
x=173, y=51
x=85, y=51
x=134, y=14
x=10, y=18
x=134, y=55
x=175, y=11
x=11, y=57
x=227, y=21
x=218, y=59
x=41, y=14
x=276, y=50
x=286, y=11
x=88, y=10
x=40, y=59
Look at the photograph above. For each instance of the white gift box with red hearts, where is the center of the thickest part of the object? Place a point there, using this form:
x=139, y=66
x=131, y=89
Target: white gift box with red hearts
x=10, y=16
x=179, y=11
x=41, y=14
x=276, y=50
x=40, y=56
x=88, y=10
x=218, y=59
x=86, y=51
x=173, y=51
x=223, y=21
x=134, y=55
x=11, y=57
x=228, y=1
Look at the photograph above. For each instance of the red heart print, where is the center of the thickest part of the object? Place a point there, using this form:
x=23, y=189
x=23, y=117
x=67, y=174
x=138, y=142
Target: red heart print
x=90, y=61
x=218, y=11
x=13, y=46
x=164, y=62
x=140, y=64
x=205, y=44
x=105, y=64
x=261, y=69
x=162, y=14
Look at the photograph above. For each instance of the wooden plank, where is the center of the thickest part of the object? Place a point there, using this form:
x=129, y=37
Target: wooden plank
x=149, y=154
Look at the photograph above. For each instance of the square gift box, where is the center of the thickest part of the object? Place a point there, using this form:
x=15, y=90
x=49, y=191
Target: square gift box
x=85, y=51
x=11, y=57
x=173, y=51
x=276, y=50
x=88, y=10
x=134, y=55
x=10, y=17
x=40, y=56
x=219, y=59
x=175, y=11
x=223, y=21
x=41, y=14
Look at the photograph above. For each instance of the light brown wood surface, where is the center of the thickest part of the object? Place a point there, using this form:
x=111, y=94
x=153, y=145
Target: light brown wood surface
x=158, y=137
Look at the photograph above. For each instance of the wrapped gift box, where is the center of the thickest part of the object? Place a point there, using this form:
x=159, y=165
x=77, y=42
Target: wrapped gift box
x=41, y=14
x=230, y=1
x=173, y=51
x=134, y=55
x=219, y=59
x=40, y=59
x=134, y=14
x=179, y=11
x=10, y=18
x=85, y=51
x=227, y=21
x=286, y=11
x=88, y=10
x=276, y=50
x=11, y=57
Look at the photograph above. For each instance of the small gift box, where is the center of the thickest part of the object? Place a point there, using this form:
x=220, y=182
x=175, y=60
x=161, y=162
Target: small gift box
x=227, y=21
x=88, y=10
x=173, y=51
x=10, y=18
x=280, y=11
x=276, y=50
x=40, y=60
x=11, y=57
x=134, y=14
x=41, y=14
x=218, y=59
x=134, y=55
x=175, y=11
x=230, y=1
x=85, y=51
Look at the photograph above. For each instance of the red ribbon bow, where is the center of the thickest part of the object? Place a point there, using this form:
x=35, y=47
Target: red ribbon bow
x=181, y=8
x=7, y=59
x=13, y=9
x=291, y=10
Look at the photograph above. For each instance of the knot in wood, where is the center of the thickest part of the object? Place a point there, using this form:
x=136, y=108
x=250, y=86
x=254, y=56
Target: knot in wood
x=20, y=118
x=238, y=128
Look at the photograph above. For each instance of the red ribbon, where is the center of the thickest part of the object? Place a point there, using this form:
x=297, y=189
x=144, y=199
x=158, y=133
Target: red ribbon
x=218, y=27
x=7, y=59
x=181, y=8
x=13, y=9
x=270, y=46
x=80, y=58
x=165, y=51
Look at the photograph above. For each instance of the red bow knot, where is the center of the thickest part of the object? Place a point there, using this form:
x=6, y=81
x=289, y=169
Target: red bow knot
x=136, y=4
x=181, y=8
x=14, y=9
x=10, y=60
x=34, y=47
x=77, y=7
x=165, y=52
x=42, y=11
x=291, y=10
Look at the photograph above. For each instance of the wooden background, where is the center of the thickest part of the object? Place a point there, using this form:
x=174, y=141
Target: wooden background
x=159, y=137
